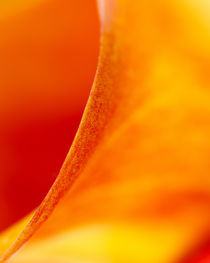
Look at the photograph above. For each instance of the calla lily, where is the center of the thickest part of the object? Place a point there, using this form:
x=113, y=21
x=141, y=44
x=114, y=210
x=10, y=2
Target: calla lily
x=135, y=186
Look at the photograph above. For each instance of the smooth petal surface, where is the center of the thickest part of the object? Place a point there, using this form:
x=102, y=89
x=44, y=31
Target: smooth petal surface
x=141, y=155
x=48, y=59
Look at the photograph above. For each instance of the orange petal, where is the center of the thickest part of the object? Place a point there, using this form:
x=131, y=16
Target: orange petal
x=141, y=155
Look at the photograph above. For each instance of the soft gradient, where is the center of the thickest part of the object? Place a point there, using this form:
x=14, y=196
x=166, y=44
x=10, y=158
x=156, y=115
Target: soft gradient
x=48, y=59
x=135, y=186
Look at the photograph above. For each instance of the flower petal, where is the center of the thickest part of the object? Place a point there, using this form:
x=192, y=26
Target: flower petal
x=141, y=155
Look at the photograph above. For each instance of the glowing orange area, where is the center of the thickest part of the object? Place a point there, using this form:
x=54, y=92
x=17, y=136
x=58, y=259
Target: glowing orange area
x=135, y=185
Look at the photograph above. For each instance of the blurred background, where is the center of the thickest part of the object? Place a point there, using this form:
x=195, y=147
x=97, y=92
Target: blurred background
x=48, y=58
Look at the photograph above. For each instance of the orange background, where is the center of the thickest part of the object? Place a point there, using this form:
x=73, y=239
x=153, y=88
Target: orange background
x=48, y=58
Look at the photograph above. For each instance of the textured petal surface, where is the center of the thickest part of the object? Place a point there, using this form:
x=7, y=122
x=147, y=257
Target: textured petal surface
x=141, y=155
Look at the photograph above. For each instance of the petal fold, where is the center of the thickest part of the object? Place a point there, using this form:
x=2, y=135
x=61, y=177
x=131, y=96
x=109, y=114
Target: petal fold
x=135, y=184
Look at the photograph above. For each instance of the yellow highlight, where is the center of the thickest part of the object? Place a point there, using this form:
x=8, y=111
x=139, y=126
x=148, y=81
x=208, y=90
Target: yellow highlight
x=119, y=243
x=141, y=154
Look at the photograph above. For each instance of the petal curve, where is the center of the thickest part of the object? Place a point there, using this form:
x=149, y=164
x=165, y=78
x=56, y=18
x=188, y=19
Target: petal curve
x=141, y=154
